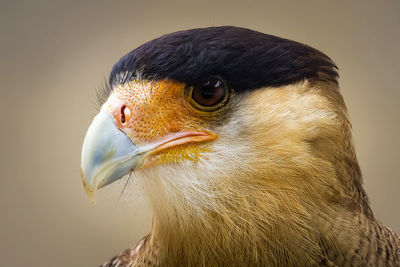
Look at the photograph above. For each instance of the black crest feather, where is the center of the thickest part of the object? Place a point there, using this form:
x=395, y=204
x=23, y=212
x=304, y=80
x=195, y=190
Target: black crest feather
x=244, y=58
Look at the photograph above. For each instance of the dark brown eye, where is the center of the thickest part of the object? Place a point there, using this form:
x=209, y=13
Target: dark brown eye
x=209, y=93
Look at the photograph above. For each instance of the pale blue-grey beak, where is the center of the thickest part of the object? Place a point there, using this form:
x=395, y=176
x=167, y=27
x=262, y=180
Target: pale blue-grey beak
x=107, y=154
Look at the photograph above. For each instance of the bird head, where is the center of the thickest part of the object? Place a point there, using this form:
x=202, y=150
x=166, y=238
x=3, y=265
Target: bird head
x=225, y=120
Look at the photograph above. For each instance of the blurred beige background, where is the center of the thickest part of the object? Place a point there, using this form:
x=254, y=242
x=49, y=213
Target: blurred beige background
x=53, y=55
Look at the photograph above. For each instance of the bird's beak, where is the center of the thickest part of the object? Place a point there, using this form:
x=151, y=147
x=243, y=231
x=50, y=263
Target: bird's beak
x=126, y=135
x=107, y=154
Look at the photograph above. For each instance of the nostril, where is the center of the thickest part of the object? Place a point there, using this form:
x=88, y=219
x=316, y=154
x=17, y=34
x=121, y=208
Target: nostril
x=125, y=114
x=123, y=118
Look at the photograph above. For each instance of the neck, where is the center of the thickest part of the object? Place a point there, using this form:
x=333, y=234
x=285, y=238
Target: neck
x=244, y=234
x=250, y=227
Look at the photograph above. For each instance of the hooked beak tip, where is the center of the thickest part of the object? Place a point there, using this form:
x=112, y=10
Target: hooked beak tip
x=89, y=191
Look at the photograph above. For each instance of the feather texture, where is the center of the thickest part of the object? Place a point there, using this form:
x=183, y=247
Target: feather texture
x=281, y=186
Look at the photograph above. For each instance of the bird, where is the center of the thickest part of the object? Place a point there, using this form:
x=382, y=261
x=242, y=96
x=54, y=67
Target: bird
x=243, y=145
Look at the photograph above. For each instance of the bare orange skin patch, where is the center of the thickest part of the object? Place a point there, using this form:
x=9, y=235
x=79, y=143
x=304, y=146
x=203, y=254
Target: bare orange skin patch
x=158, y=112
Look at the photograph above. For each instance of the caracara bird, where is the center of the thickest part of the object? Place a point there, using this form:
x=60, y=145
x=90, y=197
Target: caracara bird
x=243, y=145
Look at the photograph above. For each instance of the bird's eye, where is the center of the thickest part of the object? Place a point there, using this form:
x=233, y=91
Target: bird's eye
x=210, y=94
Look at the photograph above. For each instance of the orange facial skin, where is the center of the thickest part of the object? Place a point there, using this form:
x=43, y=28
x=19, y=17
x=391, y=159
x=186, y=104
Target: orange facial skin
x=152, y=112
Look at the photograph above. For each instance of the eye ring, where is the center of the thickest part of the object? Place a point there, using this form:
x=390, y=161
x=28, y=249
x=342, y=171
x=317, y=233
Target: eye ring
x=209, y=95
